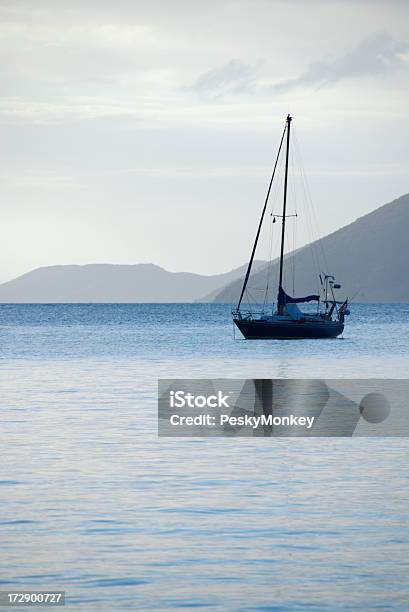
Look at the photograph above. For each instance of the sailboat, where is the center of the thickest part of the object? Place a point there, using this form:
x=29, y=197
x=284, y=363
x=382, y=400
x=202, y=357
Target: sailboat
x=287, y=321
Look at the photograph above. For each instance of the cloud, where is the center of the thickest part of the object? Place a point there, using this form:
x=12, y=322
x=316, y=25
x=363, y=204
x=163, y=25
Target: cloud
x=375, y=56
x=233, y=77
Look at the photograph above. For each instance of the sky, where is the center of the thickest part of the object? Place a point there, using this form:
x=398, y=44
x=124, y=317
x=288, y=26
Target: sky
x=136, y=132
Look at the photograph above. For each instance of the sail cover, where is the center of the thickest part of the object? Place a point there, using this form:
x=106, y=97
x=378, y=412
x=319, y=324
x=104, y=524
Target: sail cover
x=283, y=298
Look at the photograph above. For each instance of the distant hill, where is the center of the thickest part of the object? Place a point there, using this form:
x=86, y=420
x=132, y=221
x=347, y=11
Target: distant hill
x=370, y=256
x=112, y=283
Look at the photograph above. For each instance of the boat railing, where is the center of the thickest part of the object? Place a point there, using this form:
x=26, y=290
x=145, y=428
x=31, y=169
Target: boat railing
x=248, y=315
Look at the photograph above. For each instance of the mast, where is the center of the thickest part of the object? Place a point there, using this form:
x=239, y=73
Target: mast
x=280, y=282
x=261, y=222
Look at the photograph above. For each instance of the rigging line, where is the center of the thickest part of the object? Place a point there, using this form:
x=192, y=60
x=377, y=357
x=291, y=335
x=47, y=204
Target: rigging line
x=357, y=292
x=315, y=217
x=309, y=217
x=310, y=247
x=276, y=188
x=261, y=222
x=294, y=230
x=252, y=298
x=269, y=264
x=293, y=189
x=319, y=239
x=271, y=241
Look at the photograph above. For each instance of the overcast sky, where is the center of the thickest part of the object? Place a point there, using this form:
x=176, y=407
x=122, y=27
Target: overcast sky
x=145, y=131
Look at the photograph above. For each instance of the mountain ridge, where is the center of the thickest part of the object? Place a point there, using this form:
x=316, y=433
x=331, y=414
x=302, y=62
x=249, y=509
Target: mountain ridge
x=111, y=283
x=368, y=256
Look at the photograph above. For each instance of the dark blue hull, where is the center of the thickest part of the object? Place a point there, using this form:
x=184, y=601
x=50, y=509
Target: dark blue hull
x=288, y=330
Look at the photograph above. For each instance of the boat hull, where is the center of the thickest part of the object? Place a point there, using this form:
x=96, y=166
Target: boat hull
x=286, y=330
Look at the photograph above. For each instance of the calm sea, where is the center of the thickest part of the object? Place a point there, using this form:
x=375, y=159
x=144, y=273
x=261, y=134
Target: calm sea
x=93, y=503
